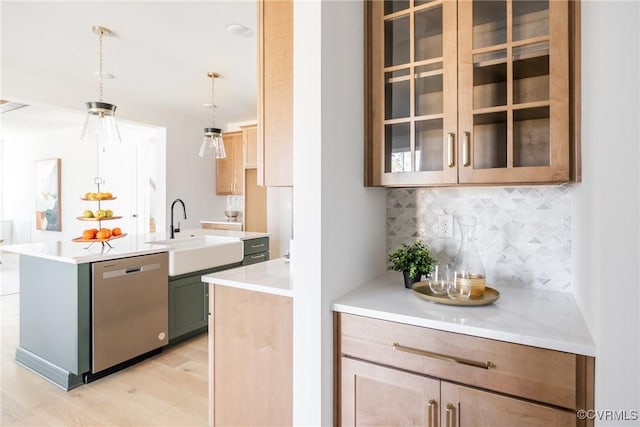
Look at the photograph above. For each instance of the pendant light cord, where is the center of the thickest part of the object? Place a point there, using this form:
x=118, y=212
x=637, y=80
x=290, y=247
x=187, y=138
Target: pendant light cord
x=100, y=78
x=213, y=105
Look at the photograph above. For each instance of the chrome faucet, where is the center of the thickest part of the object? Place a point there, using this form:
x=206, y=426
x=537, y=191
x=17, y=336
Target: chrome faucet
x=172, y=229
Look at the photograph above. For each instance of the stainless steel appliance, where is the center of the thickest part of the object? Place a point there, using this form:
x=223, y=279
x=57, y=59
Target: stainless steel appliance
x=130, y=308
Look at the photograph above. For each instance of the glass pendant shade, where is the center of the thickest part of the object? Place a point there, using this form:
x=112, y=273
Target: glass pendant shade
x=213, y=139
x=100, y=124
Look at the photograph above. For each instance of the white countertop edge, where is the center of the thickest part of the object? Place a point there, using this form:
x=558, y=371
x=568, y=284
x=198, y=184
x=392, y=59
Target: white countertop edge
x=27, y=249
x=248, y=286
x=551, y=344
x=270, y=277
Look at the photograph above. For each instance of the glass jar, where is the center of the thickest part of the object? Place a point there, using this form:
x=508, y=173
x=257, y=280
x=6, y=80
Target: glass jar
x=469, y=277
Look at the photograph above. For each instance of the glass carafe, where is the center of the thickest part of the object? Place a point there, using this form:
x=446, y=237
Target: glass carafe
x=468, y=268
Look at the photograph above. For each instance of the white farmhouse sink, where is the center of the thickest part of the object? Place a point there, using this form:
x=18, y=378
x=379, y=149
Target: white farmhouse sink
x=201, y=252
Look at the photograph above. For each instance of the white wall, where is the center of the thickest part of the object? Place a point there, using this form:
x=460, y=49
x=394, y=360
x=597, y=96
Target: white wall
x=606, y=209
x=339, y=226
x=26, y=138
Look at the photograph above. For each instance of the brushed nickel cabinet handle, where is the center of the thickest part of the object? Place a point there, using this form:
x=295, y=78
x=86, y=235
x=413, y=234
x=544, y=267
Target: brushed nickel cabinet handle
x=450, y=144
x=449, y=411
x=257, y=256
x=257, y=246
x=433, y=405
x=475, y=364
x=466, y=148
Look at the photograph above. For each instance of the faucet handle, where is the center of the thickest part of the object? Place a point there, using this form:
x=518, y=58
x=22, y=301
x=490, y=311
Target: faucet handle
x=177, y=229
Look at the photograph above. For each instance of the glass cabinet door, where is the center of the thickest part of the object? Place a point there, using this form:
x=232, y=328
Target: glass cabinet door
x=513, y=94
x=415, y=58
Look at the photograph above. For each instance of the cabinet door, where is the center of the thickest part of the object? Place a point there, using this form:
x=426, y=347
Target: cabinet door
x=188, y=307
x=413, y=74
x=373, y=395
x=252, y=358
x=250, y=135
x=230, y=170
x=275, y=93
x=513, y=91
x=464, y=406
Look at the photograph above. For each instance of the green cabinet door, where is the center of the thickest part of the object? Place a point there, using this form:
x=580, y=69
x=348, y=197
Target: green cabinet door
x=188, y=307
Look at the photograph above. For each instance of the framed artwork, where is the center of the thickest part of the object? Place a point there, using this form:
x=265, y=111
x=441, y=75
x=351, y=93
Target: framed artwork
x=48, y=195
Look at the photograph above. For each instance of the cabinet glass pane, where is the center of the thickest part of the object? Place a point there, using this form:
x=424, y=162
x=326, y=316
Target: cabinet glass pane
x=396, y=94
x=428, y=33
x=490, y=79
x=396, y=41
x=530, y=19
x=489, y=23
x=490, y=140
x=428, y=90
x=397, y=140
x=429, y=145
x=421, y=2
x=531, y=142
x=391, y=6
x=531, y=73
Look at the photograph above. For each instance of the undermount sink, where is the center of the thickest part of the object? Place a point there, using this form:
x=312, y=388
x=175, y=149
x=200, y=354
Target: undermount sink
x=201, y=252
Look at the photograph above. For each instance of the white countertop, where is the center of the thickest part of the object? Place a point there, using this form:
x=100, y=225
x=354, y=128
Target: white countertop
x=130, y=245
x=547, y=319
x=271, y=277
x=83, y=252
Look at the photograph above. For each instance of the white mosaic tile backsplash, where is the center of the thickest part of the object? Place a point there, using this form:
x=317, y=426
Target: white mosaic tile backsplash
x=523, y=233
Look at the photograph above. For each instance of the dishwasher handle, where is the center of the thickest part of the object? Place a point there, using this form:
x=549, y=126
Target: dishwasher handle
x=130, y=270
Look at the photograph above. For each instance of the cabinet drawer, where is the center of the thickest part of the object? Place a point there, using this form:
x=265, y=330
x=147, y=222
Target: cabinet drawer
x=544, y=375
x=253, y=246
x=255, y=258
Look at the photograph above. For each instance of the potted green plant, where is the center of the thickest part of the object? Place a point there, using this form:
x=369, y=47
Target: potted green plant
x=413, y=260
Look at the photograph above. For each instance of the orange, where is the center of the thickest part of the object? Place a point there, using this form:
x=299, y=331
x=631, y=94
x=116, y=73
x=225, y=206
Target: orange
x=102, y=234
x=106, y=230
x=116, y=231
x=89, y=234
x=108, y=195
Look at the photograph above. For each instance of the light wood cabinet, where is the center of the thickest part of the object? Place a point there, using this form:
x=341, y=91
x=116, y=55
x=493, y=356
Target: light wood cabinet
x=233, y=226
x=230, y=170
x=275, y=93
x=397, y=374
x=250, y=137
x=250, y=358
x=471, y=92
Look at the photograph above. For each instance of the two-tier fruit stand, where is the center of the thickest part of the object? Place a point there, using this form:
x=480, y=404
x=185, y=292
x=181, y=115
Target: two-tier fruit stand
x=99, y=197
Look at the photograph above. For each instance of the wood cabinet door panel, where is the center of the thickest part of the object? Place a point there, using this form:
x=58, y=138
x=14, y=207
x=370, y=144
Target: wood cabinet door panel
x=374, y=395
x=465, y=406
x=252, y=361
x=230, y=170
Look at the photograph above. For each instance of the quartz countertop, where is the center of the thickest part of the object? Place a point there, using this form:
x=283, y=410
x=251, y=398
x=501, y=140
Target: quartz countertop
x=271, y=277
x=84, y=252
x=128, y=246
x=535, y=317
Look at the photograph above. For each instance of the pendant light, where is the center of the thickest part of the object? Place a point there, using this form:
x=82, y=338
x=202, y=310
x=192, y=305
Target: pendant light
x=213, y=135
x=100, y=124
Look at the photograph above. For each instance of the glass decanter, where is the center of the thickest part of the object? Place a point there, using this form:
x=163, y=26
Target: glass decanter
x=469, y=278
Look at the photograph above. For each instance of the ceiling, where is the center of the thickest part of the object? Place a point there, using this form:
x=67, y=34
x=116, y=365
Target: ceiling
x=159, y=53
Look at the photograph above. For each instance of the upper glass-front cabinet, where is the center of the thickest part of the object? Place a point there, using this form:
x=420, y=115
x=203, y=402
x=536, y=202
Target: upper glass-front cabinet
x=468, y=91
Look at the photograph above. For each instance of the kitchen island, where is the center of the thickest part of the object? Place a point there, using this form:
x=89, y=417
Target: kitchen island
x=56, y=306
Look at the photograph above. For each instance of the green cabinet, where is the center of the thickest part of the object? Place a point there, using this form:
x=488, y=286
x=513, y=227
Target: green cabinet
x=256, y=250
x=188, y=307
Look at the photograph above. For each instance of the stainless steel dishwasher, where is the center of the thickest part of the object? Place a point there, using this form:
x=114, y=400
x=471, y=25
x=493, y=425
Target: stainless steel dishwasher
x=129, y=308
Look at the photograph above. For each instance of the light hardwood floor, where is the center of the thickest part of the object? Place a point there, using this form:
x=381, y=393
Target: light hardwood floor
x=169, y=389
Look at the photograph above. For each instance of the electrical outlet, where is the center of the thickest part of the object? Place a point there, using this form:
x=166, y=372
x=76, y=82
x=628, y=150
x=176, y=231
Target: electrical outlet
x=445, y=226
